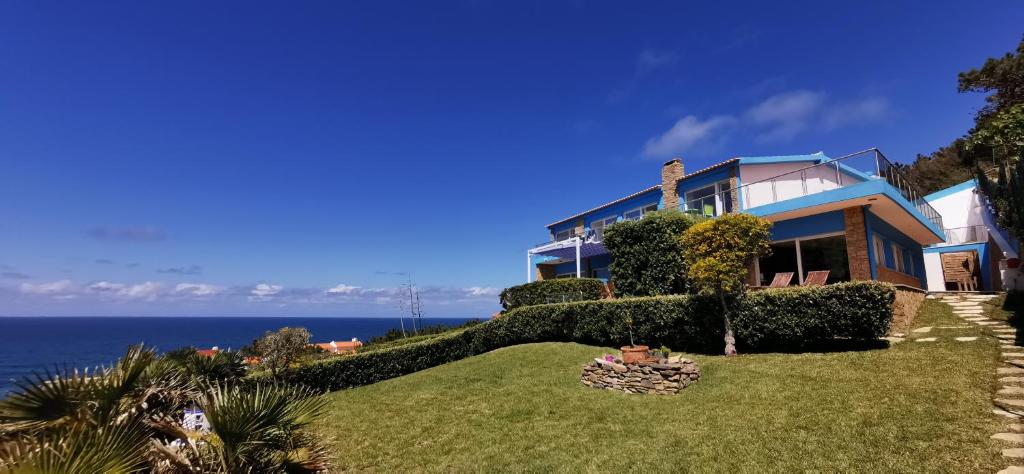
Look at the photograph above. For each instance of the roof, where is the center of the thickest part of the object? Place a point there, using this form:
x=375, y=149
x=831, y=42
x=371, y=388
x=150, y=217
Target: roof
x=207, y=352
x=710, y=168
x=971, y=183
x=602, y=206
x=335, y=346
x=761, y=160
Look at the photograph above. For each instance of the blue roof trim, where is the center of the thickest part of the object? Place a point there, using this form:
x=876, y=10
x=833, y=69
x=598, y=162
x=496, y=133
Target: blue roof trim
x=951, y=190
x=867, y=188
x=954, y=248
x=762, y=160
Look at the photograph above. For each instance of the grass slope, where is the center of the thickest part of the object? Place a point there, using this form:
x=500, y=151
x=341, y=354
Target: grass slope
x=916, y=407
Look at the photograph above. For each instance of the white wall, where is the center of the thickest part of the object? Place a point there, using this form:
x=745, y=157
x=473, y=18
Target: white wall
x=936, y=281
x=960, y=209
x=789, y=186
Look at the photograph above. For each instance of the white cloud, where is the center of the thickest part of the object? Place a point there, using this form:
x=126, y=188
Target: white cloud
x=51, y=288
x=264, y=291
x=783, y=116
x=149, y=290
x=686, y=133
x=342, y=289
x=197, y=289
x=870, y=109
x=482, y=291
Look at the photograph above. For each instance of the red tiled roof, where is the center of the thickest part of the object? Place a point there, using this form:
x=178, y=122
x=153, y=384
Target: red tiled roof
x=207, y=352
x=339, y=346
x=602, y=206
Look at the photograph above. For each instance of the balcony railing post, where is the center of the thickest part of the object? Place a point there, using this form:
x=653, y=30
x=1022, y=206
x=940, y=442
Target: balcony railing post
x=803, y=180
x=775, y=196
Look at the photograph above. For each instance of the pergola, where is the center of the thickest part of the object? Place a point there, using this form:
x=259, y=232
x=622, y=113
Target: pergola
x=575, y=248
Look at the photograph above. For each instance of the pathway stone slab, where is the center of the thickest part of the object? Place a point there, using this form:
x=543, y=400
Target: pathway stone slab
x=1013, y=354
x=1011, y=391
x=1012, y=470
x=952, y=327
x=1017, y=362
x=1004, y=413
x=1018, y=427
x=924, y=329
x=894, y=339
x=1004, y=330
x=1009, y=370
x=986, y=323
x=1011, y=379
x=1011, y=437
x=966, y=338
x=927, y=339
x=1010, y=402
x=1014, y=453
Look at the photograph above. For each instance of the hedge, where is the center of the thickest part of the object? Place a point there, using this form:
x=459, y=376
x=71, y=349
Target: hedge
x=647, y=254
x=560, y=290
x=764, y=320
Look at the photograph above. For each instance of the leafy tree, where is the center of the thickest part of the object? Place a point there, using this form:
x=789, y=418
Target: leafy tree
x=718, y=253
x=998, y=135
x=949, y=166
x=647, y=256
x=279, y=349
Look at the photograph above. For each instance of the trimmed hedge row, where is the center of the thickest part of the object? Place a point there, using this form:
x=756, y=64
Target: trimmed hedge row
x=560, y=290
x=769, y=319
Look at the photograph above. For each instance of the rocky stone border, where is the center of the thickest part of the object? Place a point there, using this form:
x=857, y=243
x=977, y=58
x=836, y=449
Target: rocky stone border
x=662, y=378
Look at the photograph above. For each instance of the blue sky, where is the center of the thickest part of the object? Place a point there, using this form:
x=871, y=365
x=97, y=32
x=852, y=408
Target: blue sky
x=297, y=158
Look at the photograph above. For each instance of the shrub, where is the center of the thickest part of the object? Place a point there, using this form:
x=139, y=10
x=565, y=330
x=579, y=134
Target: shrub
x=647, y=256
x=552, y=291
x=764, y=320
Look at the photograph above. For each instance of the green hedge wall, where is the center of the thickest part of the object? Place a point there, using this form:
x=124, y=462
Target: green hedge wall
x=647, y=254
x=552, y=291
x=764, y=320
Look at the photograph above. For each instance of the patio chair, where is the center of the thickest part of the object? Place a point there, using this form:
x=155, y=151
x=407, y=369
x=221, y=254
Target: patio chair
x=816, y=278
x=781, y=280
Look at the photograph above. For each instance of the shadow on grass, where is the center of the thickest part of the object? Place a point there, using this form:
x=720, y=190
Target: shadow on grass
x=839, y=345
x=1013, y=306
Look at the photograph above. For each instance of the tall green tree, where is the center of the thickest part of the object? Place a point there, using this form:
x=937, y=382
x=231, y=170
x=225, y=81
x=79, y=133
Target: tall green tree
x=647, y=257
x=718, y=254
x=998, y=135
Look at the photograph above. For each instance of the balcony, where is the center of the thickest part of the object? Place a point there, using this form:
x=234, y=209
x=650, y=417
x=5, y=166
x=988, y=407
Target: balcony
x=862, y=178
x=966, y=235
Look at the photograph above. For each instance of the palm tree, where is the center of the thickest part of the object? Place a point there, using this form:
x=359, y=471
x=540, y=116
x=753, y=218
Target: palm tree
x=127, y=418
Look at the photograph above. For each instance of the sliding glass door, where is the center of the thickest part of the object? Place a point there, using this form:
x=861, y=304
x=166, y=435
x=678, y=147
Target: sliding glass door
x=800, y=256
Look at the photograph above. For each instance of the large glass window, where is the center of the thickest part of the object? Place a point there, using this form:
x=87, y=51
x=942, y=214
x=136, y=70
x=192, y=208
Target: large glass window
x=782, y=260
x=599, y=225
x=563, y=235
x=710, y=201
x=826, y=253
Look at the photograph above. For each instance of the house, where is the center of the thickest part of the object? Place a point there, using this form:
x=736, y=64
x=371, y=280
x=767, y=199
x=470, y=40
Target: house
x=856, y=216
x=340, y=347
x=208, y=352
x=977, y=254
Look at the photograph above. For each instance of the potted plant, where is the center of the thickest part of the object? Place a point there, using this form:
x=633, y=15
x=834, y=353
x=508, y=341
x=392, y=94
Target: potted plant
x=632, y=353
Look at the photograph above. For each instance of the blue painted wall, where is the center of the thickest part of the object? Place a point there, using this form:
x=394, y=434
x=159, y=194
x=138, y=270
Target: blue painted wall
x=808, y=226
x=617, y=210
x=912, y=251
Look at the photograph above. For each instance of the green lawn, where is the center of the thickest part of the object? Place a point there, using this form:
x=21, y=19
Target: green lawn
x=916, y=407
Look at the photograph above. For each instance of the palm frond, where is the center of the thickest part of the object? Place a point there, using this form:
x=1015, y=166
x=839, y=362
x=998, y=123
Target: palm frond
x=118, y=448
x=44, y=400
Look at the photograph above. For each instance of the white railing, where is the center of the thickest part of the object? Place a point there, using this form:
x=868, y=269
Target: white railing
x=968, y=234
x=832, y=174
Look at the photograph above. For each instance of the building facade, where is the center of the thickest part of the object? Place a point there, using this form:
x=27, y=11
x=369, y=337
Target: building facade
x=855, y=216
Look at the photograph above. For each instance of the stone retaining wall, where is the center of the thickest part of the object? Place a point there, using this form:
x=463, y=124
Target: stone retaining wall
x=665, y=378
x=904, y=308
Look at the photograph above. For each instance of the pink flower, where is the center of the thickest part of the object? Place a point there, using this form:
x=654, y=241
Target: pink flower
x=609, y=358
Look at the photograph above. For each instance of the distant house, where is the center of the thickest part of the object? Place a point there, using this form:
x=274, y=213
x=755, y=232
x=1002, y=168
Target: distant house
x=856, y=216
x=340, y=347
x=208, y=352
x=977, y=255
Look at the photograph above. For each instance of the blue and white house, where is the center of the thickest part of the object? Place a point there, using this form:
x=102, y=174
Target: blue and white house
x=977, y=254
x=856, y=216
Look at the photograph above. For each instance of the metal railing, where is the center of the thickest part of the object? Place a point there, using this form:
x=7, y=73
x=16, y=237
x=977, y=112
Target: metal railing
x=832, y=174
x=968, y=234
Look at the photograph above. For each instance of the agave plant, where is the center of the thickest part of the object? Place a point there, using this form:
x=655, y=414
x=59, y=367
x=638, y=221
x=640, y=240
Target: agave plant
x=127, y=418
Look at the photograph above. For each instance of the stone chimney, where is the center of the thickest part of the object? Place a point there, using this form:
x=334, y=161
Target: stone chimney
x=671, y=173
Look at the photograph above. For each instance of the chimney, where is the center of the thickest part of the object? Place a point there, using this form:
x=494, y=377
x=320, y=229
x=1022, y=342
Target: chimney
x=671, y=173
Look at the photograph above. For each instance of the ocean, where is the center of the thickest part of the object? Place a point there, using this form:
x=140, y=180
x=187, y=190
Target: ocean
x=36, y=344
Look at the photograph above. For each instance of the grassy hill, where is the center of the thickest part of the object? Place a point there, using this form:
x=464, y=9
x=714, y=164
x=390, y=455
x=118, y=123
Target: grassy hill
x=916, y=407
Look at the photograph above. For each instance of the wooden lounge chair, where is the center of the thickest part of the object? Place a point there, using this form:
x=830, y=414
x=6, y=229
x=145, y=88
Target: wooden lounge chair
x=816, y=278
x=781, y=280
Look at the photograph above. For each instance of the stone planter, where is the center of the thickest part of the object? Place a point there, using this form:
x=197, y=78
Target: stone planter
x=634, y=354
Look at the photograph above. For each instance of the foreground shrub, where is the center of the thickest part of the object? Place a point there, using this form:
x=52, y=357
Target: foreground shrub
x=561, y=290
x=647, y=256
x=771, y=319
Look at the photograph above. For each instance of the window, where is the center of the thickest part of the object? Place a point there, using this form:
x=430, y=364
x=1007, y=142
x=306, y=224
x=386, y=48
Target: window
x=897, y=258
x=710, y=201
x=879, y=251
x=639, y=212
x=563, y=235
x=599, y=225
x=801, y=256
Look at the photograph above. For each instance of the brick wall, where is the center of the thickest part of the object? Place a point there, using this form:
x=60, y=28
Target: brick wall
x=857, y=243
x=671, y=173
x=578, y=229
x=893, y=276
x=545, y=272
x=908, y=301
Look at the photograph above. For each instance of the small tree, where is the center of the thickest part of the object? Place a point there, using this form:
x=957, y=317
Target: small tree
x=279, y=349
x=718, y=253
x=647, y=257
